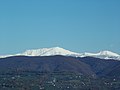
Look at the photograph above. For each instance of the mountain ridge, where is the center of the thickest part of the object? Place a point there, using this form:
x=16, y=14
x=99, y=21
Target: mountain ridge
x=60, y=51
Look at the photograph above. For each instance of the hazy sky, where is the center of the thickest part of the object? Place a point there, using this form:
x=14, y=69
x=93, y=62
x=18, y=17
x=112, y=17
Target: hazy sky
x=77, y=25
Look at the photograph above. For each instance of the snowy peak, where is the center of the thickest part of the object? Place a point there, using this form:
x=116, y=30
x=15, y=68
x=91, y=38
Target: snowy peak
x=60, y=51
x=48, y=52
x=108, y=53
x=103, y=55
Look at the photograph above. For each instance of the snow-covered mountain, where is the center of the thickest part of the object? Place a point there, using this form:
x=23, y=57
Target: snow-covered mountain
x=103, y=55
x=49, y=52
x=60, y=51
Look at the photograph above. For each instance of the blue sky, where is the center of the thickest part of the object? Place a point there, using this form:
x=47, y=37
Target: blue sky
x=77, y=25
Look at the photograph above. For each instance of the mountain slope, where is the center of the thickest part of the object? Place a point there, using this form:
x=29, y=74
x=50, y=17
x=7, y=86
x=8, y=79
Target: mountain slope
x=45, y=64
x=108, y=68
x=88, y=66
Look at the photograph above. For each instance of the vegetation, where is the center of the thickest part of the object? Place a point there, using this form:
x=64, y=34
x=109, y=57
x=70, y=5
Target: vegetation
x=55, y=81
x=59, y=73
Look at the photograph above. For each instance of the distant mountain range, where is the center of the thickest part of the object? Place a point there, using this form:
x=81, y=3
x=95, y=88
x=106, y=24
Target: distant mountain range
x=104, y=63
x=60, y=51
x=88, y=66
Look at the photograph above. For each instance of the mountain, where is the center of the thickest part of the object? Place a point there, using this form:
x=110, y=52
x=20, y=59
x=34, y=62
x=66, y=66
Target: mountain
x=49, y=52
x=88, y=66
x=60, y=51
x=62, y=68
x=102, y=67
x=85, y=73
x=59, y=59
x=103, y=55
x=45, y=64
x=45, y=52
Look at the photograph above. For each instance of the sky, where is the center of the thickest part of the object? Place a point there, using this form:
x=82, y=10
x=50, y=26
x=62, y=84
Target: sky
x=76, y=25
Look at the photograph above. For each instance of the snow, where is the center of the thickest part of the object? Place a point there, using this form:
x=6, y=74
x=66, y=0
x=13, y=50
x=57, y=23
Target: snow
x=103, y=55
x=49, y=52
x=108, y=53
x=60, y=51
